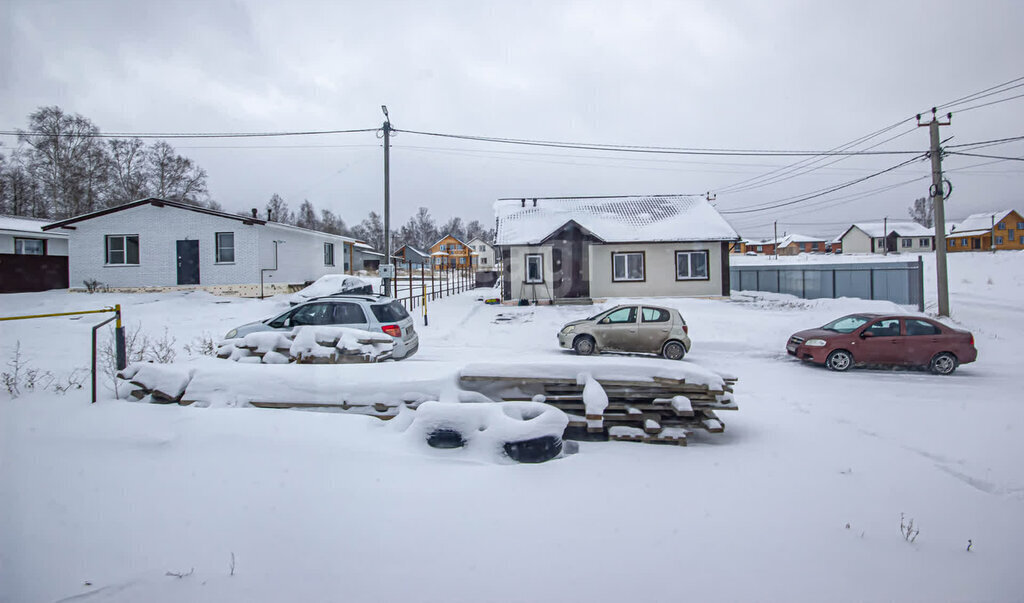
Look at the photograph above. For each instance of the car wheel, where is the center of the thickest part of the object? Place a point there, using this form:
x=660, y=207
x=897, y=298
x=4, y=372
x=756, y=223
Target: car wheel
x=943, y=363
x=673, y=350
x=584, y=345
x=839, y=360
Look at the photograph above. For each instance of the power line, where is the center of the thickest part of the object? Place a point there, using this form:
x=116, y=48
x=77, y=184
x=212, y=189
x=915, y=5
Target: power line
x=1000, y=158
x=976, y=95
x=985, y=143
x=753, y=209
x=995, y=102
x=653, y=150
x=188, y=135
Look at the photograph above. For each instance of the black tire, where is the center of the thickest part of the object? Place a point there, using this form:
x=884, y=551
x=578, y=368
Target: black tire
x=944, y=363
x=839, y=361
x=445, y=437
x=674, y=350
x=584, y=345
x=537, y=450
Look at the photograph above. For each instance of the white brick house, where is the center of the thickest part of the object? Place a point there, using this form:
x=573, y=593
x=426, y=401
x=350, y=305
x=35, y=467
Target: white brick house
x=887, y=237
x=158, y=243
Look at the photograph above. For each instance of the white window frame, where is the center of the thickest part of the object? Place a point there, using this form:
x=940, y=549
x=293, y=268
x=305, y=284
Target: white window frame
x=328, y=254
x=124, y=249
x=626, y=255
x=689, y=265
x=218, y=247
x=907, y=243
x=22, y=241
x=539, y=259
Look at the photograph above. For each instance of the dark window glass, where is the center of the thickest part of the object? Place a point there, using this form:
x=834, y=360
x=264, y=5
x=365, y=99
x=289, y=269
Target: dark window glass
x=29, y=247
x=921, y=327
x=390, y=312
x=885, y=328
x=655, y=315
x=345, y=314
x=622, y=315
x=313, y=314
x=225, y=247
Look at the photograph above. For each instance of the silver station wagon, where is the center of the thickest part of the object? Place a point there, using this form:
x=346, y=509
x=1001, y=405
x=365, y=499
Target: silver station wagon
x=632, y=328
x=367, y=312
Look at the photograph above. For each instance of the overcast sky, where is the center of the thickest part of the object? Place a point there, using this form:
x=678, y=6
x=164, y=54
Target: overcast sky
x=737, y=75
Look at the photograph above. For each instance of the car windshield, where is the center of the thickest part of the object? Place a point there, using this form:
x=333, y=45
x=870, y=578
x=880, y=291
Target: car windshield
x=390, y=312
x=846, y=324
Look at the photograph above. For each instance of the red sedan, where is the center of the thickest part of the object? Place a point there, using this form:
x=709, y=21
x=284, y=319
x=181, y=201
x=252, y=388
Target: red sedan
x=879, y=339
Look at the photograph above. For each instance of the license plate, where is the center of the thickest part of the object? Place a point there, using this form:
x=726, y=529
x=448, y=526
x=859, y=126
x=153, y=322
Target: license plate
x=791, y=347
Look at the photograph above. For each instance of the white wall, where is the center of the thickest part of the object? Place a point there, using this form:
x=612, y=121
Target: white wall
x=159, y=228
x=856, y=241
x=300, y=255
x=517, y=260
x=659, y=271
x=54, y=245
x=486, y=259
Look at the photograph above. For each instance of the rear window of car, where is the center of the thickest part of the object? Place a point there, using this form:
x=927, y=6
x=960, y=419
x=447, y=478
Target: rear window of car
x=390, y=312
x=655, y=315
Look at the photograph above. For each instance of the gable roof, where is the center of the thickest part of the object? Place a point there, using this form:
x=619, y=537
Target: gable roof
x=202, y=210
x=877, y=230
x=445, y=237
x=613, y=219
x=475, y=239
x=33, y=226
x=405, y=249
x=157, y=203
x=980, y=223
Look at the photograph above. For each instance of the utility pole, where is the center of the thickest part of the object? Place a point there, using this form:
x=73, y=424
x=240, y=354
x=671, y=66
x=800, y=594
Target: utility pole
x=937, y=193
x=386, y=281
x=992, y=234
x=885, y=235
x=775, y=243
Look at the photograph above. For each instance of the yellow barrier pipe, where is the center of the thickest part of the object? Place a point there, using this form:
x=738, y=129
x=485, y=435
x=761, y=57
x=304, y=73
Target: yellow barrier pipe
x=116, y=309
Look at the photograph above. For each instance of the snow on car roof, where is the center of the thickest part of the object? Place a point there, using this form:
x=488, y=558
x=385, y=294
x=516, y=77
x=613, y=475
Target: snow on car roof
x=613, y=219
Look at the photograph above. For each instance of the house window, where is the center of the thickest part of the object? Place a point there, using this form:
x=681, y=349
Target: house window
x=328, y=254
x=628, y=266
x=225, y=247
x=760, y=248
x=1001, y=226
x=462, y=260
x=999, y=240
x=483, y=261
x=29, y=246
x=691, y=265
x=952, y=242
x=122, y=250
x=924, y=242
x=534, y=268
x=906, y=242
x=1020, y=225
x=963, y=241
x=1010, y=234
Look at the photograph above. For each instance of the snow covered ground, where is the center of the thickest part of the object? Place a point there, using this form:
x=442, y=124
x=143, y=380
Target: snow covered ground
x=799, y=500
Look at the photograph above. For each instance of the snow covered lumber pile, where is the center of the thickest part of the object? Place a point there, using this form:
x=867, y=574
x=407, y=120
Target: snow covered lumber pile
x=653, y=402
x=163, y=383
x=309, y=345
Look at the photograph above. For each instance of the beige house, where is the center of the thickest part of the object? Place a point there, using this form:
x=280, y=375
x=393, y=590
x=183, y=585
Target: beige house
x=561, y=250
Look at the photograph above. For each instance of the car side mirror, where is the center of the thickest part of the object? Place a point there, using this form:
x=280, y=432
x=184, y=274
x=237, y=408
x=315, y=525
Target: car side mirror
x=866, y=334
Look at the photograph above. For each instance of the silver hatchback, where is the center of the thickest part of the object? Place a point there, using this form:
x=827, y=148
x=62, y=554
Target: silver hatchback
x=630, y=328
x=367, y=312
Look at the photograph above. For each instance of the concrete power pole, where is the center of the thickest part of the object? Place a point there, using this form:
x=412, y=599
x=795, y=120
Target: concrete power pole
x=775, y=243
x=885, y=235
x=386, y=282
x=938, y=193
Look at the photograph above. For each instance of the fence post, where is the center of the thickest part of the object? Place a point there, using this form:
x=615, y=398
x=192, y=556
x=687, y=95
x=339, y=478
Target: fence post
x=119, y=343
x=920, y=284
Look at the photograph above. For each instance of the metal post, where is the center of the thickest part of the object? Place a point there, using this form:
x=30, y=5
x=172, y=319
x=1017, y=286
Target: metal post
x=386, y=283
x=775, y=243
x=119, y=342
x=938, y=194
x=920, y=284
x=885, y=235
x=992, y=234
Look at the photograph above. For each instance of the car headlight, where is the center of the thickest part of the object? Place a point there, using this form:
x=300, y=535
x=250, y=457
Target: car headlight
x=568, y=329
x=231, y=334
x=815, y=343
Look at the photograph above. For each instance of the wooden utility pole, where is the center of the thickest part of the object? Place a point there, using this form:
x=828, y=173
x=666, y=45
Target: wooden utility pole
x=938, y=195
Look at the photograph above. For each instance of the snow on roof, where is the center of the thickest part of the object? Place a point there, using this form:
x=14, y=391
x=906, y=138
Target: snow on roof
x=440, y=253
x=979, y=223
x=613, y=219
x=903, y=229
x=24, y=224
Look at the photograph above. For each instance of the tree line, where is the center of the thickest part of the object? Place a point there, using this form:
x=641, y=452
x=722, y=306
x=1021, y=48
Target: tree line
x=62, y=167
x=420, y=231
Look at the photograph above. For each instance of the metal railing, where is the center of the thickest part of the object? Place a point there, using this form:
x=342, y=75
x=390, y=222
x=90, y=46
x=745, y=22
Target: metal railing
x=120, y=352
x=898, y=282
x=419, y=286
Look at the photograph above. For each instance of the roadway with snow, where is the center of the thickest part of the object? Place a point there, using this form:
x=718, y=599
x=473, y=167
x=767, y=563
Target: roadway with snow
x=800, y=499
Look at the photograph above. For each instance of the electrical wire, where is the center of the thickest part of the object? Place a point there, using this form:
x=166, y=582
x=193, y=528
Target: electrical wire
x=752, y=209
x=1000, y=158
x=976, y=95
x=985, y=143
x=189, y=135
x=995, y=102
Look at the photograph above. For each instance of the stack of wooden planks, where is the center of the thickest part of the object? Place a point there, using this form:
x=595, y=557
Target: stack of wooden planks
x=656, y=410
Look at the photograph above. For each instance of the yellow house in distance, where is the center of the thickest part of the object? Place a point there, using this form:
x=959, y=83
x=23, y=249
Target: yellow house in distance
x=977, y=231
x=449, y=253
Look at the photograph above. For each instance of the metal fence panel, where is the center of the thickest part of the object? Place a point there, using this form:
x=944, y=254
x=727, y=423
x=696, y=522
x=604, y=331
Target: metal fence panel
x=898, y=282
